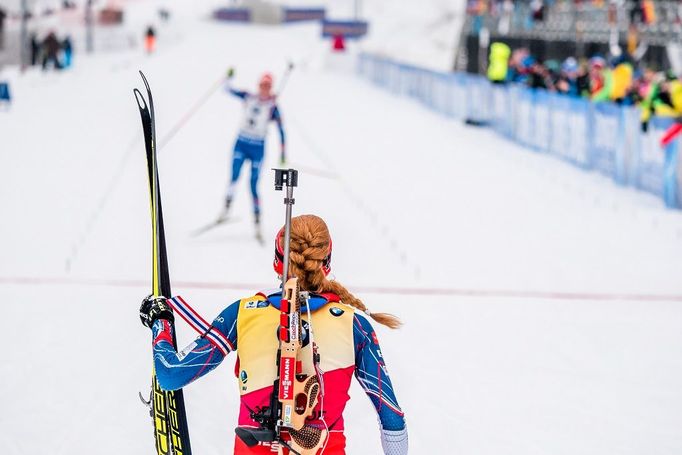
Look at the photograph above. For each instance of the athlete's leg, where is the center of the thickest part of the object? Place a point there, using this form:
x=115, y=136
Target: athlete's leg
x=238, y=157
x=256, y=161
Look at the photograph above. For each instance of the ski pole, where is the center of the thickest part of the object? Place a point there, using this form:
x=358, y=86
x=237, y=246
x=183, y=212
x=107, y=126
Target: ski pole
x=190, y=113
x=285, y=77
x=671, y=133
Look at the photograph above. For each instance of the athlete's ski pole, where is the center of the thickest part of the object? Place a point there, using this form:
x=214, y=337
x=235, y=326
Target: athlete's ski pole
x=285, y=77
x=288, y=178
x=671, y=133
x=190, y=113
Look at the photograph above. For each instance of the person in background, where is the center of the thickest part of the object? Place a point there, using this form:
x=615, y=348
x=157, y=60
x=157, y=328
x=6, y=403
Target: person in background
x=668, y=103
x=67, y=48
x=567, y=83
x=621, y=75
x=597, y=75
x=539, y=75
x=35, y=49
x=150, y=40
x=648, y=92
x=518, y=65
x=51, y=48
x=259, y=110
x=3, y=15
x=498, y=63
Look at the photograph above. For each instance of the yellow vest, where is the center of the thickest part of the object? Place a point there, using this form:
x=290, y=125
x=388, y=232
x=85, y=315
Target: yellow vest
x=257, y=342
x=498, y=62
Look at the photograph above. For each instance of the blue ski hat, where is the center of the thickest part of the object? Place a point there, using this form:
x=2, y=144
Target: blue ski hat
x=570, y=65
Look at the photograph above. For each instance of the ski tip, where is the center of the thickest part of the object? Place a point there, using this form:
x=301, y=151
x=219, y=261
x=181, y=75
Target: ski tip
x=144, y=79
x=141, y=103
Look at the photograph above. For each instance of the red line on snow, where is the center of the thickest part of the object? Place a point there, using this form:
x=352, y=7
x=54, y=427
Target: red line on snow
x=443, y=292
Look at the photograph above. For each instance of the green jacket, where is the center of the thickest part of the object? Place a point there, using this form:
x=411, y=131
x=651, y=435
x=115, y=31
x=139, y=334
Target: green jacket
x=498, y=62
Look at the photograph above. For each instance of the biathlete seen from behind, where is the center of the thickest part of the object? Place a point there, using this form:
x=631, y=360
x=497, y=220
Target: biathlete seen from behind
x=334, y=321
x=259, y=110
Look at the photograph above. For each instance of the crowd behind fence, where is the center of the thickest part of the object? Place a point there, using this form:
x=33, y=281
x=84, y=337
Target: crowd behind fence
x=605, y=137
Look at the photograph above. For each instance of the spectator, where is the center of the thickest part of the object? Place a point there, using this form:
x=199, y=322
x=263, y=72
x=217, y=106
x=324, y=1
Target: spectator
x=567, y=82
x=517, y=71
x=3, y=15
x=35, y=49
x=599, y=76
x=150, y=40
x=51, y=48
x=498, y=63
x=67, y=48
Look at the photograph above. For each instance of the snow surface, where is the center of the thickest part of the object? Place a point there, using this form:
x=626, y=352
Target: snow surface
x=542, y=305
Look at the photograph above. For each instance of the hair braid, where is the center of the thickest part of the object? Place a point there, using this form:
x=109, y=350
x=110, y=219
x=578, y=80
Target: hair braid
x=309, y=246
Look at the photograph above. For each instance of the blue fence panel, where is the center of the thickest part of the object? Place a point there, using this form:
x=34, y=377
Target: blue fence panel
x=606, y=133
x=670, y=180
x=458, y=96
x=578, y=151
x=523, y=132
x=478, y=102
x=542, y=125
x=559, y=118
x=601, y=136
x=651, y=160
x=424, y=87
x=676, y=169
x=440, y=93
x=500, y=109
x=4, y=91
x=632, y=142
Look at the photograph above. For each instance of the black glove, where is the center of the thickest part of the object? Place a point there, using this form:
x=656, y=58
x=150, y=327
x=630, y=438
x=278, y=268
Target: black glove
x=154, y=308
x=230, y=73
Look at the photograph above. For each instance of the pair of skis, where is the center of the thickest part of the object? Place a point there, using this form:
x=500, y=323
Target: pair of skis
x=167, y=408
x=225, y=219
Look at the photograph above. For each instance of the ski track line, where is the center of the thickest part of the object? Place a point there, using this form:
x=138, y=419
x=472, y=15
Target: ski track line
x=360, y=203
x=122, y=165
x=387, y=290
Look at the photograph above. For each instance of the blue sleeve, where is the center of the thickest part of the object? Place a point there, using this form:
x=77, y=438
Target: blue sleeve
x=175, y=370
x=370, y=371
x=238, y=93
x=277, y=117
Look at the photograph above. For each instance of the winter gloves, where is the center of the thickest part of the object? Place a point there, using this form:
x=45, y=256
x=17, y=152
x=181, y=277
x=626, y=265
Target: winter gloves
x=153, y=308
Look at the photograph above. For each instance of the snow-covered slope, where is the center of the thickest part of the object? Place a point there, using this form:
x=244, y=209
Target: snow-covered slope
x=542, y=306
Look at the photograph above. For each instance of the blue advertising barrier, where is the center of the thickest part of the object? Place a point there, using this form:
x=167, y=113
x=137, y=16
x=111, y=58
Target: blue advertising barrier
x=592, y=136
x=501, y=107
x=606, y=131
x=348, y=29
x=232, y=14
x=303, y=14
x=4, y=92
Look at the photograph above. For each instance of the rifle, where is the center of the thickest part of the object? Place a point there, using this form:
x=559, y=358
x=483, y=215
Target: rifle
x=295, y=394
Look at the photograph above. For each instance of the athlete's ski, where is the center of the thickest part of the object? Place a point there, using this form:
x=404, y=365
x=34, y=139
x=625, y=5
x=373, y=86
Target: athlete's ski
x=167, y=408
x=220, y=220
